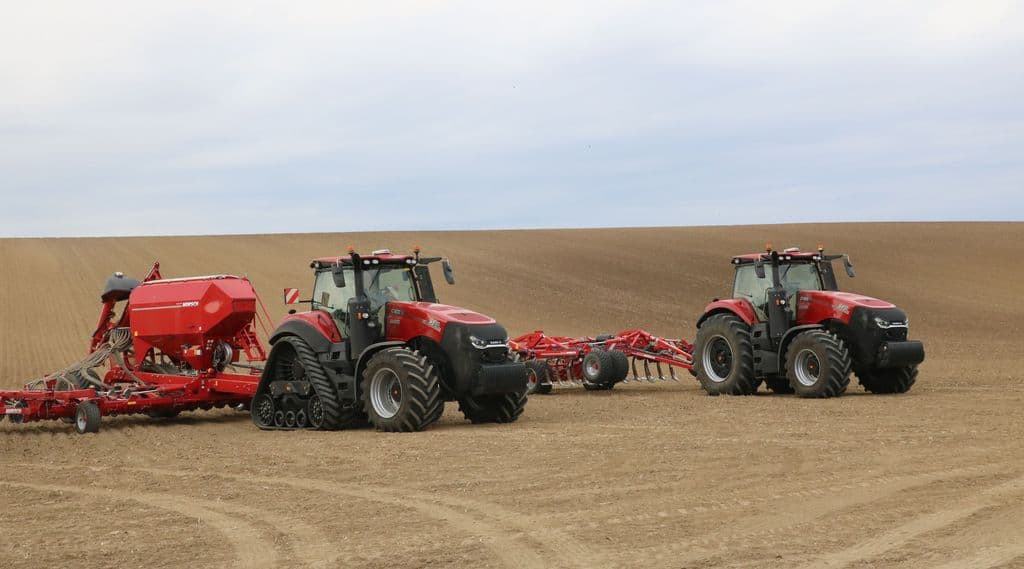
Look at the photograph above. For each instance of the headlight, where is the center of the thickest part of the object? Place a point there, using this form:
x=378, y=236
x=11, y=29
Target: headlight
x=885, y=324
x=483, y=344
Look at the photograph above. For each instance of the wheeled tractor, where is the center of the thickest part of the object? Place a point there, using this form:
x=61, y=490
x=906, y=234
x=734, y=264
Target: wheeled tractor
x=376, y=347
x=789, y=326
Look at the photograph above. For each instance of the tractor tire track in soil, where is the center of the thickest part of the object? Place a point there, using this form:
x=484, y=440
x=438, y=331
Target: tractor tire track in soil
x=898, y=536
x=503, y=531
x=251, y=547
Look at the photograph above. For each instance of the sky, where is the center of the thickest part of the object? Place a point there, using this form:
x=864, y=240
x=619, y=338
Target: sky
x=147, y=118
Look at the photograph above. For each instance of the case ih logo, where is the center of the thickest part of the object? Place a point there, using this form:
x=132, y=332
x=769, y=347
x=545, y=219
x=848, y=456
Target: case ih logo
x=291, y=296
x=842, y=308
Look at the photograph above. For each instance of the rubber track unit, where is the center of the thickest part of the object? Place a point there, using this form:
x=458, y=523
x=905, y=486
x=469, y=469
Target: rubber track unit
x=896, y=380
x=741, y=380
x=504, y=408
x=838, y=360
x=336, y=415
x=421, y=390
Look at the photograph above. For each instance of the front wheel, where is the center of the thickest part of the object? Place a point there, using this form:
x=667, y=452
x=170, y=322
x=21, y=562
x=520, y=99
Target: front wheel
x=503, y=408
x=723, y=356
x=893, y=380
x=818, y=365
x=401, y=391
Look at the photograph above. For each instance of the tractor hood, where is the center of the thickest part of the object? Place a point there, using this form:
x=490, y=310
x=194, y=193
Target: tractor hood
x=444, y=314
x=850, y=300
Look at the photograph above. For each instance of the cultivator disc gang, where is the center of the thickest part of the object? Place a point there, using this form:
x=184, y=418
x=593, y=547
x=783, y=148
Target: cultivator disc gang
x=599, y=362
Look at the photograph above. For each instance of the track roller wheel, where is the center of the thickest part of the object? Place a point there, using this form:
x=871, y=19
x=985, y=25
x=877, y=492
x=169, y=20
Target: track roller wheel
x=289, y=419
x=263, y=411
x=503, y=408
x=87, y=418
x=538, y=377
x=301, y=419
x=401, y=391
x=723, y=357
x=884, y=381
x=279, y=418
x=818, y=364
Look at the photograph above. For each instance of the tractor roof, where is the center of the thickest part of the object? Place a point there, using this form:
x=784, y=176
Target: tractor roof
x=787, y=255
x=379, y=258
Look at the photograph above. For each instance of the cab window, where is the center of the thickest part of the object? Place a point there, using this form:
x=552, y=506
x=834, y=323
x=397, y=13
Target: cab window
x=328, y=297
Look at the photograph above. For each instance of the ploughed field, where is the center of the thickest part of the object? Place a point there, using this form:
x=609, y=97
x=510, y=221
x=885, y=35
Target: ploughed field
x=652, y=475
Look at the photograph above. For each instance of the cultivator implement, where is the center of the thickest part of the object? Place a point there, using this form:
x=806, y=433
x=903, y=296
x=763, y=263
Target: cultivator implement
x=167, y=352
x=599, y=362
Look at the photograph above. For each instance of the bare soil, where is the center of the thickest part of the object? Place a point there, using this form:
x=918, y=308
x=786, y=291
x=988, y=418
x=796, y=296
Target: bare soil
x=648, y=475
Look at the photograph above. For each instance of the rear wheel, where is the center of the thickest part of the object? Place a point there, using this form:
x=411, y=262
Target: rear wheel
x=401, y=391
x=893, y=380
x=723, y=356
x=87, y=418
x=503, y=408
x=538, y=377
x=818, y=364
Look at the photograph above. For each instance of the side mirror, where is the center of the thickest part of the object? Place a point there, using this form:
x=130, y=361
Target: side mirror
x=848, y=265
x=338, y=273
x=759, y=268
x=449, y=274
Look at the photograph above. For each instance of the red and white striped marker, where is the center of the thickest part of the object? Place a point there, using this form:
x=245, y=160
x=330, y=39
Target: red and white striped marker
x=291, y=296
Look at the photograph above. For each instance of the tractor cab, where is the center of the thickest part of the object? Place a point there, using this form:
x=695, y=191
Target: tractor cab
x=356, y=289
x=784, y=275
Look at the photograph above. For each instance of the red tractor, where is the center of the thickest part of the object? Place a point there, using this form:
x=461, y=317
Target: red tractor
x=376, y=347
x=795, y=331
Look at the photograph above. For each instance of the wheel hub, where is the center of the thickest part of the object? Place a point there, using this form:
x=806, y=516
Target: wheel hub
x=718, y=359
x=385, y=393
x=808, y=368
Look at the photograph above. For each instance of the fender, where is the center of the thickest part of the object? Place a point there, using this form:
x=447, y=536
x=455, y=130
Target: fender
x=370, y=351
x=740, y=307
x=788, y=337
x=318, y=332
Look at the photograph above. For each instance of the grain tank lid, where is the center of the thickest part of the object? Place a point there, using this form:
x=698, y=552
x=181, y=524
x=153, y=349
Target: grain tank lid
x=118, y=288
x=186, y=279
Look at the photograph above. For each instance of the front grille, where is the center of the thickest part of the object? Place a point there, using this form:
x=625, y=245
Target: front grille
x=896, y=334
x=494, y=355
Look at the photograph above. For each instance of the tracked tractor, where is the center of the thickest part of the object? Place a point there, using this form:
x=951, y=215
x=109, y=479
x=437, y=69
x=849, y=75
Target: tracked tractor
x=789, y=326
x=377, y=347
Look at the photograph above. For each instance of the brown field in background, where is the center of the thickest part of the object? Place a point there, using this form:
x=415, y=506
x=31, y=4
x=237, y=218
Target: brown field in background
x=652, y=475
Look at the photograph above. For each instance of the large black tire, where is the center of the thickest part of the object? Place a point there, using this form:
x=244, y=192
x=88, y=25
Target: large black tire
x=87, y=418
x=893, y=380
x=620, y=363
x=778, y=384
x=538, y=377
x=818, y=364
x=504, y=408
x=292, y=358
x=723, y=356
x=401, y=391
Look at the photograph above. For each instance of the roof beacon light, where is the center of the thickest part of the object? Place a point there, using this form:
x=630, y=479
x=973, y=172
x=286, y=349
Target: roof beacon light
x=351, y=249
